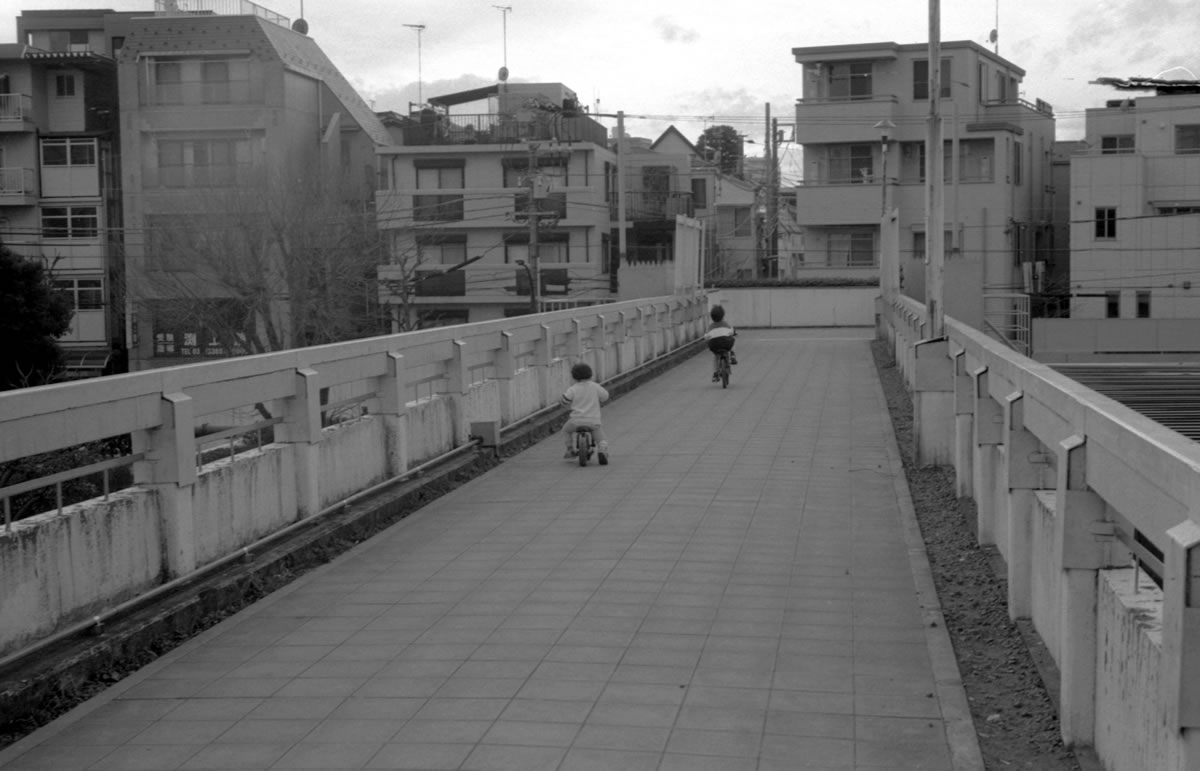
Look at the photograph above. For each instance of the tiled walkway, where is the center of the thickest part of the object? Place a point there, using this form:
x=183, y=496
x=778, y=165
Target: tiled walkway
x=741, y=589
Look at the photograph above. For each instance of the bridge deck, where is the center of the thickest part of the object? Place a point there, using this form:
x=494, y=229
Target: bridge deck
x=741, y=588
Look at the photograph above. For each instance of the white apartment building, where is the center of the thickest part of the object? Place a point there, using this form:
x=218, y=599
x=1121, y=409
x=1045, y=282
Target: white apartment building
x=862, y=123
x=1135, y=208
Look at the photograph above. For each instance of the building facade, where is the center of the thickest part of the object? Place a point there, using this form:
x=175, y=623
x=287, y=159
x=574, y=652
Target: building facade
x=238, y=134
x=862, y=125
x=59, y=184
x=1135, y=206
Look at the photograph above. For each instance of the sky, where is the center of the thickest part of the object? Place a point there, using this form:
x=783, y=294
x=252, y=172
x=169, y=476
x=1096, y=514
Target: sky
x=698, y=63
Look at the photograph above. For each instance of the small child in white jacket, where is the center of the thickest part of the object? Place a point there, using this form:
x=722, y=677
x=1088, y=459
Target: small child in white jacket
x=584, y=398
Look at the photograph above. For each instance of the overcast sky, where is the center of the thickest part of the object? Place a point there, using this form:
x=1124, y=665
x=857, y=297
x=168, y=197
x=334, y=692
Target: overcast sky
x=702, y=62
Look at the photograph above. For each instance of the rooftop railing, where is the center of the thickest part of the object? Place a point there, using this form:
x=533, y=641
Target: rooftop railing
x=218, y=8
x=492, y=129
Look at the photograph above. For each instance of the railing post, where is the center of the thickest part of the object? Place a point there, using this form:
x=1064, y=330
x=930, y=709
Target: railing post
x=505, y=371
x=170, y=470
x=394, y=409
x=301, y=428
x=575, y=341
x=620, y=336
x=1024, y=461
x=456, y=379
x=1082, y=543
x=1181, y=632
x=600, y=346
x=964, y=413
x=988, y=424
x=543, y=355
x=639, y=338
x=651, y=335
x=933, y=404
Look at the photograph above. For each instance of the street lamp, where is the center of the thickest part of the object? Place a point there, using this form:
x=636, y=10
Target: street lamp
x=885, y=128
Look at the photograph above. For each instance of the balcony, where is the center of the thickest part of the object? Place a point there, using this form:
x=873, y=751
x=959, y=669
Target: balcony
x=823, y=120
x=16, y=112
x=839, y=204
x=432, y=128
x=655, y=207
x=218, y=8
x=17, y=187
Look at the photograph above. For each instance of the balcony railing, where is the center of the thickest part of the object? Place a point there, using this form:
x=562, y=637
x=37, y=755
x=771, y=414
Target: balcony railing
x=490, y=129
x=15, y=181
x=650, y=207
x=15, y=107
x=1039, y=105
x=218, y=8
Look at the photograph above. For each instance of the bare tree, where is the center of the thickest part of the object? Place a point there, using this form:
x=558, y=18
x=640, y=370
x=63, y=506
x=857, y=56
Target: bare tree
x=289, y=262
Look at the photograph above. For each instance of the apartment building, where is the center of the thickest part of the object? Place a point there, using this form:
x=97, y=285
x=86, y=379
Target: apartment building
x=59, y=195
x=1135, y=208
x=861, y=124
x=478, y=179
x=231, y=124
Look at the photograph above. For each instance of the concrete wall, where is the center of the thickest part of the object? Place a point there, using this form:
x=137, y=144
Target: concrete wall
x=1095, y=339
x=816, y=306
x=1063, y=478
x=419, y=393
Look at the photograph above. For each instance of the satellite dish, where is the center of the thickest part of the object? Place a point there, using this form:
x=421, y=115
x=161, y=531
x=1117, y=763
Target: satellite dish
x=503, y=74
x=301, y=26
x=993, y=36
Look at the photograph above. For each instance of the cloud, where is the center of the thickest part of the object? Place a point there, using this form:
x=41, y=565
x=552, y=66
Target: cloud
x=398, y=97
x=671, y=32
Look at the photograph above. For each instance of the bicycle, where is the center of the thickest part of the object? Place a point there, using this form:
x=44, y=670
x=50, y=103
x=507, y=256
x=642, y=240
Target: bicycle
x=724, y=368
x=585, y=446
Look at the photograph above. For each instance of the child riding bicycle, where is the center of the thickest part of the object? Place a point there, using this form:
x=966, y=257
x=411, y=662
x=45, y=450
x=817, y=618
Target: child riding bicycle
x=720, y=339
x=584, y=399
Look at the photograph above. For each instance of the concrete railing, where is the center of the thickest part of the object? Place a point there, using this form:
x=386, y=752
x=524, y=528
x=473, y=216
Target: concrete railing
x=1088, y=502
x=399, y=401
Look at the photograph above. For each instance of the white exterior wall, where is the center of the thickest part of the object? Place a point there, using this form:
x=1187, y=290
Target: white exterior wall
x=1150, y=253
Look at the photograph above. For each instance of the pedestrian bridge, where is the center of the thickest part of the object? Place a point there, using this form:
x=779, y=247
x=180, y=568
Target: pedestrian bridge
x=743, y=586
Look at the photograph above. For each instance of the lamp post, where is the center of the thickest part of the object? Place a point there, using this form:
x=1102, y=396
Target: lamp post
x=889, y=257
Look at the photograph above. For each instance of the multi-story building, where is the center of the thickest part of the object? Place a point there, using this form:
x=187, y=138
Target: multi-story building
x=477, y=178
x=862, y=123
x=59, y=199
x=1135, y=206
x=226, y=120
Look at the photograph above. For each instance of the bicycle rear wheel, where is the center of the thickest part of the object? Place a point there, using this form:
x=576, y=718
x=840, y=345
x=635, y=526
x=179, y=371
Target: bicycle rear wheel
x=583, y=446
x=725, y=371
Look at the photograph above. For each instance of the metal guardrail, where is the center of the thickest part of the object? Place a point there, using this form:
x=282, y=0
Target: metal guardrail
x=218, y=8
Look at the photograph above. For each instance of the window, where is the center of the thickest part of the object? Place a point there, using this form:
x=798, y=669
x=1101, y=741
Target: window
x=1106, y=222
x=199, y=80
x=975, y=160
x=850, y=80
x=1143, y=304
x=1018, y=163
x=851, y=248
x=216, y=162
x=920, y=71
x=70, y=222
x=552, y=248
x=1112, y=305
x=743, y=225
x=699, y=193
x=438, y=174
x=214, y=77
x=1116, y=144
x=442, y=249
x=68, y=40
x=854, y=164
x=68, y=152
x=919, y=241
x=83, y=294
x=1187, y=139
x=168, y=82
x=1173, y=209
x=64, y=85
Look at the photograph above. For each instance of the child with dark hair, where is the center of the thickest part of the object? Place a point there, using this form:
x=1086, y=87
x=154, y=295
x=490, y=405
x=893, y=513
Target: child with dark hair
x=720, y=338
x=584, y=398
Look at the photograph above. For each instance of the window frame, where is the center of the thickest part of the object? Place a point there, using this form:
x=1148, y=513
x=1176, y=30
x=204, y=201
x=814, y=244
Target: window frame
x=855, y=238
x=69, y=146
x=1105, y=223
x=843, y=76
x=71, y=217
x=1187, y=139
x=854, y=151
x=920, y=73
x=74, y=291
x=1117, y=144
x=64, y=85
x=1112, y=304
x=1142, y=303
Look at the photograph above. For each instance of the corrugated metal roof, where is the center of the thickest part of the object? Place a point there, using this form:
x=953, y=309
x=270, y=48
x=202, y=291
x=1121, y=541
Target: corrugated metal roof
x=1166, y=393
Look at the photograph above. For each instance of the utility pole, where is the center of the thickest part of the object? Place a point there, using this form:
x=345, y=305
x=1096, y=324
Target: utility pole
x=934, y=185
x=769, y=187
x=773, y=243
x=537, y=191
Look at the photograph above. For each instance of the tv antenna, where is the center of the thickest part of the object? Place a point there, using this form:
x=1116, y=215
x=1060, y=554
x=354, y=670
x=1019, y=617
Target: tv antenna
x=504, y=10
x=419, y=28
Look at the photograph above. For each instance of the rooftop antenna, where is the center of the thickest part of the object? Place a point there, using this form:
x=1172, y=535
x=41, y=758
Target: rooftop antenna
x=504, y=10
x=420, y=92
x=994, y=37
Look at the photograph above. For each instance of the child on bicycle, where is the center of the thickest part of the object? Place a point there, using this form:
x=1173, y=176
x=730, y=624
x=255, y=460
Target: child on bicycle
x=720, y=338
x=584, y=398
